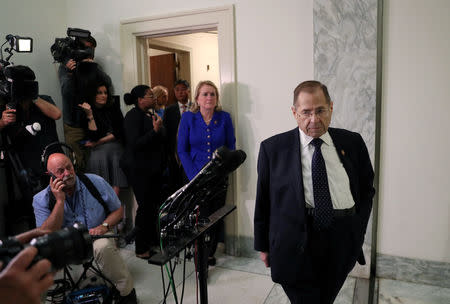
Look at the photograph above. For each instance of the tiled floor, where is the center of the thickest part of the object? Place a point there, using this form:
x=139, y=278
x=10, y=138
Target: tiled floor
x=244, y=280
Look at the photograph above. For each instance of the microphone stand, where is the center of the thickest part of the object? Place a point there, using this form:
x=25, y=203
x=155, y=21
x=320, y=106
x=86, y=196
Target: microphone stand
x=175, y=247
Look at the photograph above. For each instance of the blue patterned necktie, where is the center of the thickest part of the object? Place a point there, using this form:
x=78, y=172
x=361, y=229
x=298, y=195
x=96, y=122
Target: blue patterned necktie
x=323, y=208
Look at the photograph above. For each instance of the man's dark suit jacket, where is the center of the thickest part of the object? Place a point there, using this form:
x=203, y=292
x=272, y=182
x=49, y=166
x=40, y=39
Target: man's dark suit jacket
x=280, y=221
x=171, y=121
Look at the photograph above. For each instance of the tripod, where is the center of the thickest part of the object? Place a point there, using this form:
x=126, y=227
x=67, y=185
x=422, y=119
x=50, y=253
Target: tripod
x=70, y=289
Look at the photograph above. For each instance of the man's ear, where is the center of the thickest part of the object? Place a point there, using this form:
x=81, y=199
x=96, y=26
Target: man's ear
x=293, y=110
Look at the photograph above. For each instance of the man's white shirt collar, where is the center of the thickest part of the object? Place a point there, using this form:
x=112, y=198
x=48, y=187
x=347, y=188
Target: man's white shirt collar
x=305, y=140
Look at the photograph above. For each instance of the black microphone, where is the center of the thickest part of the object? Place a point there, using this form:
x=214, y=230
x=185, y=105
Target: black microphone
x=231, y=159
x=204, y=186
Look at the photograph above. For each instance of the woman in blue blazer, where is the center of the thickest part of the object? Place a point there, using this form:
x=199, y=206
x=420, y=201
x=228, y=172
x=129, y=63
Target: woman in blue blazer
x=202, y=130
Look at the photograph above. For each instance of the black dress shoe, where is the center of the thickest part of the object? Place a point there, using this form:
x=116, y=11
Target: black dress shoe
x=128, y=299
x=211, y=261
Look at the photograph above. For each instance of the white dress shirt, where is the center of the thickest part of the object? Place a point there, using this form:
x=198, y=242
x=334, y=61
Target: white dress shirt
x=181, y=105
x=338, y=181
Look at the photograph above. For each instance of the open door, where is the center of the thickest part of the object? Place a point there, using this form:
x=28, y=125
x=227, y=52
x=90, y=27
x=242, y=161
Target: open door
x=163, y=72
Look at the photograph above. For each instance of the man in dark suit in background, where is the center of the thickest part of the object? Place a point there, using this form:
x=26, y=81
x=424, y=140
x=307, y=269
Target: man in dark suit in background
x=313, y=202
x=171, y=120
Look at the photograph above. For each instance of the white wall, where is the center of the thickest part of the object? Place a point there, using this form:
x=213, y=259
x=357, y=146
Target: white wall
x=415, y=142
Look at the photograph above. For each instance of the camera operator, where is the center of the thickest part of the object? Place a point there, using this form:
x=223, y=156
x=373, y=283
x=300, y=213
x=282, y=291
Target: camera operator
x=20, y=283
x=74, y=75
x=88, y=199
x=27, y=126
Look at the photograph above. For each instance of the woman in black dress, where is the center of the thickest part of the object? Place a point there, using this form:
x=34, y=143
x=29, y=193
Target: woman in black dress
x=104, y=136
x=143, y=163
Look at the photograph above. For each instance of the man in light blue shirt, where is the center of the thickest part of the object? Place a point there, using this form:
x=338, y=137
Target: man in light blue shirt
x=75, y=203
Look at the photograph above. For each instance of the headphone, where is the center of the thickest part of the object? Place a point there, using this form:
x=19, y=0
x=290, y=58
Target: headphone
x=48, y=151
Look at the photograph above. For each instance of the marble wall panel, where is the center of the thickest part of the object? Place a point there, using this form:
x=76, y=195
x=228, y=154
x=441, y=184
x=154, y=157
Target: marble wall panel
x=345, y=60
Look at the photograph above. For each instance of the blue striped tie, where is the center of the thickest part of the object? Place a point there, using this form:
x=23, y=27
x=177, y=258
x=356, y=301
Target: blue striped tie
x=323, y=208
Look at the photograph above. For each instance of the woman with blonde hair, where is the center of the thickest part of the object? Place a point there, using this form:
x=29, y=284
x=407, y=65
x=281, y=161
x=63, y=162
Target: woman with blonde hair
x=161, y=94
x=202, y=130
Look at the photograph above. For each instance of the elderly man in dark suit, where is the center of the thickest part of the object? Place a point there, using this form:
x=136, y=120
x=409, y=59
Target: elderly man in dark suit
x=313, y=201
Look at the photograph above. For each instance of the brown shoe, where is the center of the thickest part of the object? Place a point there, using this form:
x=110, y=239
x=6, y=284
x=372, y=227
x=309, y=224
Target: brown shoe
x=145, y=255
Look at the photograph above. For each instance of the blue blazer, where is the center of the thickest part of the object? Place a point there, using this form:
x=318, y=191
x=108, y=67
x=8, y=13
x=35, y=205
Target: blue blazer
x=197, y=141
x=280, y=223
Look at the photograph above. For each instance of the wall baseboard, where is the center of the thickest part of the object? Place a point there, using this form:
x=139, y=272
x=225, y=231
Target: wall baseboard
x=388, y=267
x=413, y=270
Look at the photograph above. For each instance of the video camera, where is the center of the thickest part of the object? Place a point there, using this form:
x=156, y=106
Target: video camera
x=73, y=46
x=71, y=245
x=17, y=83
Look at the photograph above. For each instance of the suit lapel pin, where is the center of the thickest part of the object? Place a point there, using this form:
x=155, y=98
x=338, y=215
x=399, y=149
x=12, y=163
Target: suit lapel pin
x=343, y=152
x=215, y=122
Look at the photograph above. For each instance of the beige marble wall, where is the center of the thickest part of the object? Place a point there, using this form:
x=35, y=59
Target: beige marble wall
x=345, y=46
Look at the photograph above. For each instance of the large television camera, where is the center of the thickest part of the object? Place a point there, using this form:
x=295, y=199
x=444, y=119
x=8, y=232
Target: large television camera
x=71, y=245
x=17, y=83
x=73, y=46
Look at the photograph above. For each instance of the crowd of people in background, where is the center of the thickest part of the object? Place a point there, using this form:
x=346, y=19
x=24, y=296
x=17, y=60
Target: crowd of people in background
x=155, y=149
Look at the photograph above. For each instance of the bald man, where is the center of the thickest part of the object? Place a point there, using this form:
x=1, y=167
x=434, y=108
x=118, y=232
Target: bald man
x=75, y=203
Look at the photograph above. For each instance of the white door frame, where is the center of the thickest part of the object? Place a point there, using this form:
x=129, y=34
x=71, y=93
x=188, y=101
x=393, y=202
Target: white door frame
x=134, y=58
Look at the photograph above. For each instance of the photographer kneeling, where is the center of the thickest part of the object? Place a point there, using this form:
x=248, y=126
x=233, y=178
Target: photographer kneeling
x=70, y=198
x=20, y=283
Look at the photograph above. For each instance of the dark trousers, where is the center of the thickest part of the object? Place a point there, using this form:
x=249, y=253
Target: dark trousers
x=333, y=253
x=177, y=176
x=147, y=190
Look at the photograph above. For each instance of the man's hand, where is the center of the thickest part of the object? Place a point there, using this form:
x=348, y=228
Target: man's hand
x=71, y=64
x=8, y=117
x=57, y=185
x=157, y=122
x=99, y=230
x=22, y=285
x=264, y=256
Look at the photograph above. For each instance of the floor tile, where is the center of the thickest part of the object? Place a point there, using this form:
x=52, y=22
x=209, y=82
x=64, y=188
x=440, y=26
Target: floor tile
x=277, y=296
x=229, y=286
x=243, y=264
x=393, y=292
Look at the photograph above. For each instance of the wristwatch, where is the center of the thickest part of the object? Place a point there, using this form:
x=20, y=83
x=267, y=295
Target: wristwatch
x=105, y=224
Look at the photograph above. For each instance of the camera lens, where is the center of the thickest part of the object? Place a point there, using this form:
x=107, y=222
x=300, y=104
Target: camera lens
x=71, y=245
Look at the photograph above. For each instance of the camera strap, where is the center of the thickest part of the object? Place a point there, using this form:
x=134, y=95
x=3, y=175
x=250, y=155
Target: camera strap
x=92, y=190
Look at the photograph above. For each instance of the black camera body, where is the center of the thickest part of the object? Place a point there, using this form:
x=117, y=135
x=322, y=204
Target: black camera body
x=72, y=47
x=17, y=83
x=71, y=245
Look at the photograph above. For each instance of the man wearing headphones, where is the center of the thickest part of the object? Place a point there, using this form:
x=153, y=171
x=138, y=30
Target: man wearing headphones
x=88, y=199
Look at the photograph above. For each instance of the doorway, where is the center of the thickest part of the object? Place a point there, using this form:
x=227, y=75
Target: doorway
x=135, y=60
x=192, y=57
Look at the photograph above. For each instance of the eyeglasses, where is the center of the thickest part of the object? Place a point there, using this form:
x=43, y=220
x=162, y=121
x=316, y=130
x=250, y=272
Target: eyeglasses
x=319, y=113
